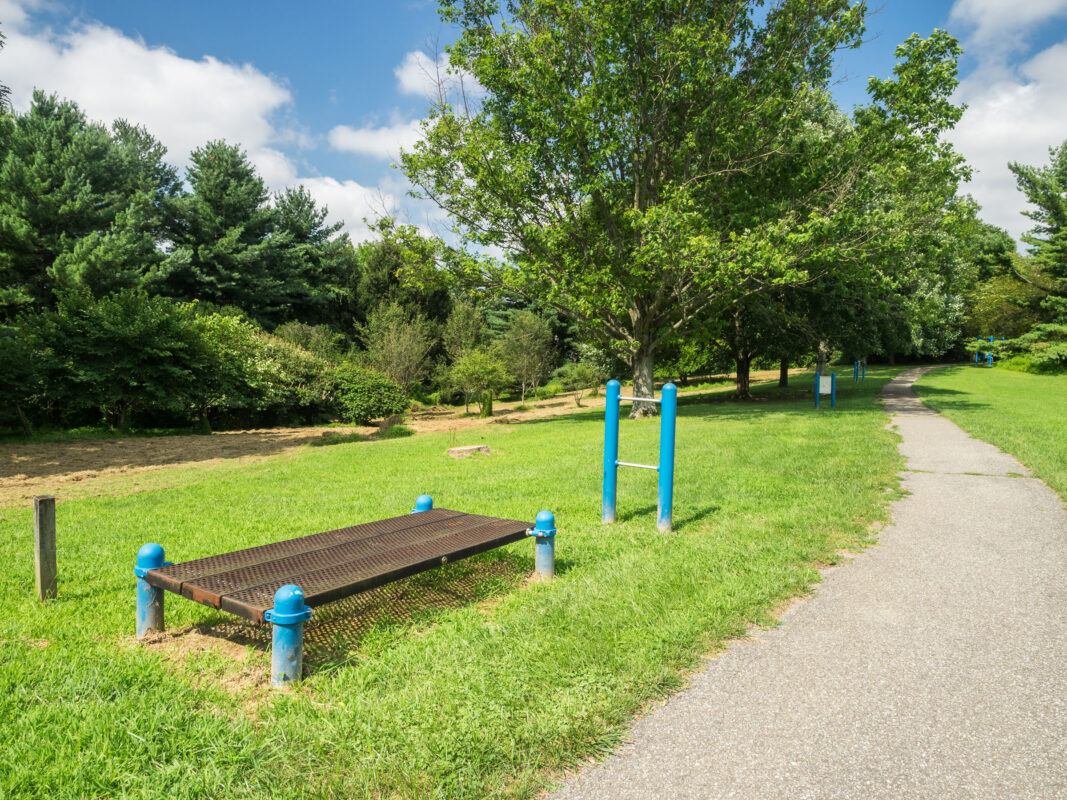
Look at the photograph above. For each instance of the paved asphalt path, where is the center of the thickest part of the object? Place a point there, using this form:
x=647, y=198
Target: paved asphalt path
x=933, y=665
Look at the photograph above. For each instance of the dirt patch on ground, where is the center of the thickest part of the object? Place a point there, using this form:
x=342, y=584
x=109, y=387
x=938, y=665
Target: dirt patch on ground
x=93, y=467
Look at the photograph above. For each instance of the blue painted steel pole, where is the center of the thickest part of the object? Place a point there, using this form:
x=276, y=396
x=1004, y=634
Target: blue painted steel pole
x=833, y=390
x=667, y=425
x=287, y=648
x=611, y=450
x=817, y=388
x=863, y=366
x=544, y=533
x=422, y=503
x=149, y=597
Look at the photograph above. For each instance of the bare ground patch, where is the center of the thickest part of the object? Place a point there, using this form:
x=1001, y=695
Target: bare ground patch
x=94, y=467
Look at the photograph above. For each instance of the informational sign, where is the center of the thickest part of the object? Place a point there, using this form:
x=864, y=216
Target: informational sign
x=826, y=384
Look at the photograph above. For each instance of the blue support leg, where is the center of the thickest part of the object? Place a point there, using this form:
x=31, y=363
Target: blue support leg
x=287, y=648
x=863, y=368
x=611, y=450
x=833, y=390
x=817, y=387
x=149, y=597
x=544, y=533
x=667, y=425
x=422, y=503
x=855, y=370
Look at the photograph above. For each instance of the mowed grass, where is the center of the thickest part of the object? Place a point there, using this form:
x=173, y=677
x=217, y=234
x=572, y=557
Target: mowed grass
x=1022, y=414
x=468, y=681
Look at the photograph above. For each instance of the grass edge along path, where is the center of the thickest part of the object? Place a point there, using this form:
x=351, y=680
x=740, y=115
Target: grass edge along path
x=491, y=696
x=1021, y=413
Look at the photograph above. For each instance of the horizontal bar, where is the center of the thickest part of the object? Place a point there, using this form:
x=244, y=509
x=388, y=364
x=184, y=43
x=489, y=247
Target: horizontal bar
x=639, y=466
x=642, y=399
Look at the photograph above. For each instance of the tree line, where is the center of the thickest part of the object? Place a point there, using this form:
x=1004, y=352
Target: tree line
x=665, y=190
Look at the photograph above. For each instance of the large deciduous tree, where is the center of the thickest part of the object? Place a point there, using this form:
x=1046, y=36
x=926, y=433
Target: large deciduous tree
x=621, y=152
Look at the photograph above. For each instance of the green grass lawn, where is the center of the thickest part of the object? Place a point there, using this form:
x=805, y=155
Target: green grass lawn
x=1022, y=414
x=468, y=681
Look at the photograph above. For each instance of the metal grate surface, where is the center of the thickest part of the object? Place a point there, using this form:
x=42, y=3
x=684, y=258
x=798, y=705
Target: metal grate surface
x=335, y=564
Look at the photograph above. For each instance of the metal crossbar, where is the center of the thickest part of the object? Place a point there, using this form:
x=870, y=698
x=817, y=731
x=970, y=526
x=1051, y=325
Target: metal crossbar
x=640, y=399
x=639, y=466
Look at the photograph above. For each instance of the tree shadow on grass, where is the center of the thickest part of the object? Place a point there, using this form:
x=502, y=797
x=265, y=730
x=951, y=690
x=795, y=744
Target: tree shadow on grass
x=336, y=630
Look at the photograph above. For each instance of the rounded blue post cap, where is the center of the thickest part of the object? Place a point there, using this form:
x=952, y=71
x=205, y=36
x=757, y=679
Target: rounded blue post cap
x=423, y=502
x=545, y=523
x=150, y=556
x=670, y=388
x=289, y=606
x=613, y=384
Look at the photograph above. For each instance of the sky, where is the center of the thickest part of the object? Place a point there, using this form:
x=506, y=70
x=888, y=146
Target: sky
x=324, y=94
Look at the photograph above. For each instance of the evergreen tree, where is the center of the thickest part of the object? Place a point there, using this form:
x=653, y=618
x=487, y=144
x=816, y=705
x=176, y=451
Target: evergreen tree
x=222, y=236
x=61, y=180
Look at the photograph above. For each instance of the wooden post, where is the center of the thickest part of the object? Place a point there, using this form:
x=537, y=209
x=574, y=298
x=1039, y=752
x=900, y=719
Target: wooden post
x=44, y=545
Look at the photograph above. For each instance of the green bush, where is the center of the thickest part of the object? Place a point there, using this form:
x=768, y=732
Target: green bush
x=548, y=391
x=396, y=432
x=363, y=394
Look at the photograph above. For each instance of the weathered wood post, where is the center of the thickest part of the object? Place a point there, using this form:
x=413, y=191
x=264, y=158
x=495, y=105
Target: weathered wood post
x=44, y=546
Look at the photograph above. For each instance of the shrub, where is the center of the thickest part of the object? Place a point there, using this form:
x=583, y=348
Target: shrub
x=396, y=432
x=363, y=394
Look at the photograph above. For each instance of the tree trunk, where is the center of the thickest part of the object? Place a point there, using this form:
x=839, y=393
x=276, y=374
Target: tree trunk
x=783, y=374
x=744, y=372
x=820, y=365
x=892, y=359
x=643, y=364
x=26, y=427
x=124, y=413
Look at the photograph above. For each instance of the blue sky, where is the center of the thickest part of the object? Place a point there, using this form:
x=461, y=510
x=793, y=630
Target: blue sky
x=322, y=94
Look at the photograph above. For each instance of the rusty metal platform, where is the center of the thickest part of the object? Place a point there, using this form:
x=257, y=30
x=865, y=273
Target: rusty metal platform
x=335, y=564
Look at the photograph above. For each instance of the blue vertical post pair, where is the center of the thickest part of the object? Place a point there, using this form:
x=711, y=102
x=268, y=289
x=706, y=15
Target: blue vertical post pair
x=668, y=422
x=832, y=392
x=859, y=370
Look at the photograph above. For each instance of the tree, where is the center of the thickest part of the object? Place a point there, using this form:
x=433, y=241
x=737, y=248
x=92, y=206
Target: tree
x=125, y=351
x=1046, y=189
x=527, y=350
x=398, y=343
x=62, y=179
x=224, y=252
x=620, y=152
x=27, y=361
x=478, y=373
x=364, y=395
x=464, y=330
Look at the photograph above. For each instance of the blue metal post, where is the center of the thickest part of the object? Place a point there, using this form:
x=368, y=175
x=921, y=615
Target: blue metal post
x=611, y=450
x=544, y=533
x=855, y=370
x=422, y=503
x=287, y=648
x=667, y=425
x=817, y=387
x=977, y=338
x=149, y=597
x=833, y=390
x=863, y=367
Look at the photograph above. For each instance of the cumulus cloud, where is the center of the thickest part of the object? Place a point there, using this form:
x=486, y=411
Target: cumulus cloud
x=351, y=202
x=1002, y=24
x=383, y=142
x=420, y=74
x=183, y=102
x=1017, y=108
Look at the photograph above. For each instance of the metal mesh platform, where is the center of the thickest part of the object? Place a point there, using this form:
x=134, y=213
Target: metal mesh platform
x=335, y=564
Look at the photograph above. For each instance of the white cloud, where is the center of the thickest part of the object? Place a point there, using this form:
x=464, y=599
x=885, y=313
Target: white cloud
x=1000, y=23
x=1016, y=111
x=419, y=74
x=383, y=142
x=351, y=202
x=183, y=102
